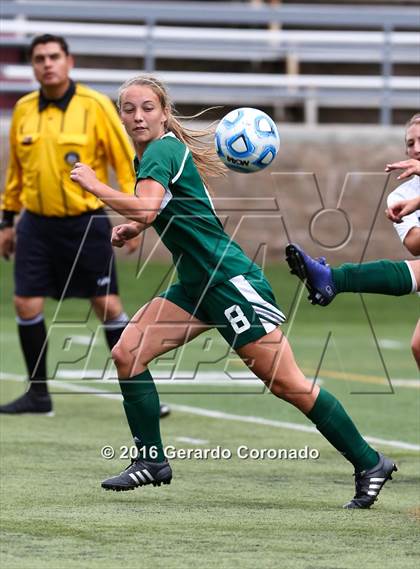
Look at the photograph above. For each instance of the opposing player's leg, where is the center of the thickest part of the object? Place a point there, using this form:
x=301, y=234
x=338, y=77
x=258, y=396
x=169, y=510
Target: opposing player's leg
x=415, y=340
x=157, y=328
x=414, y=267
x=272, y=360
x=415, y=344
x=323, y=282
x=33, y=342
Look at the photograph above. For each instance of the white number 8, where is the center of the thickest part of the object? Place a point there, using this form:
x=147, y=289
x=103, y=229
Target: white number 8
x=237, y=319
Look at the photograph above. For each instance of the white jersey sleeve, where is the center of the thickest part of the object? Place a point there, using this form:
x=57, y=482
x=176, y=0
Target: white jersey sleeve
x=406, y=191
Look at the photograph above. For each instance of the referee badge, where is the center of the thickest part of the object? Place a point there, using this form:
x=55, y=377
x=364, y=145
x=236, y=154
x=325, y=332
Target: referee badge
x=71, y=158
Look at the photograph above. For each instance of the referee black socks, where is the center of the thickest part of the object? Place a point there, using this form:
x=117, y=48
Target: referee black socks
x=33, y=341
x=114, y=328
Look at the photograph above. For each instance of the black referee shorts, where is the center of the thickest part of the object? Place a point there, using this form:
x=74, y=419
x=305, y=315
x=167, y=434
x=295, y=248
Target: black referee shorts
x=64, y=257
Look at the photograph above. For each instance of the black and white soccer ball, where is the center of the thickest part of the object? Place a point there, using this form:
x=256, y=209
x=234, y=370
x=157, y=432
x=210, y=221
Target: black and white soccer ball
x=247, y=140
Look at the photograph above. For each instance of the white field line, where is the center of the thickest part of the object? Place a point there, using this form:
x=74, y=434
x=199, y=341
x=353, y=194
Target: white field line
x=413, y=383
x=192, y=441
x=227, y=416
x=201, y=378
x=210, y=378
x=388, y=344
x=188, y=378
x=84, y=340
x=163, y=378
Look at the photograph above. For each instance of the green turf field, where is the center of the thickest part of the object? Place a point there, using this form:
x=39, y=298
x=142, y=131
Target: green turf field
x=216, y=513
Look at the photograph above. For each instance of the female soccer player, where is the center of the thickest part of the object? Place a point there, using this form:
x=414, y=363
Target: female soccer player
x=398, y=210
x=219, y=286
x=381, y=277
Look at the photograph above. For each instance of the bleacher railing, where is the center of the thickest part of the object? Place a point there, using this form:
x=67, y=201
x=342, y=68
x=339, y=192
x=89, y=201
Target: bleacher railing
x=379, y=34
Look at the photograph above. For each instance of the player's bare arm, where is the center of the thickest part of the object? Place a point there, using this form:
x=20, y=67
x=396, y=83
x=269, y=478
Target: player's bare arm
x=411, y=167
x=142, y=209
x=398, y=210
x=7, y=242
x=125, y=232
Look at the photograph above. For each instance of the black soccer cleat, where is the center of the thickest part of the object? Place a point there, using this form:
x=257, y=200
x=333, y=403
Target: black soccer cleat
x=370, y=482
x=314, y=273
x=29, y=402
x=165, y=410
x=140, y=473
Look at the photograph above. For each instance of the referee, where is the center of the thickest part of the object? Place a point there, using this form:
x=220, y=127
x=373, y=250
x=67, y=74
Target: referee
x=62, y=241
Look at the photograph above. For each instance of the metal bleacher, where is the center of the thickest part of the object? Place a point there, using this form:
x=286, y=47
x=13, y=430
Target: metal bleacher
x=219, y=43
x=383, y=35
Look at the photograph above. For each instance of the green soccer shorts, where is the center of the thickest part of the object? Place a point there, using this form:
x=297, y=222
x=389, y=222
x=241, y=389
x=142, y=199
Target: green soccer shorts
x=243, y=309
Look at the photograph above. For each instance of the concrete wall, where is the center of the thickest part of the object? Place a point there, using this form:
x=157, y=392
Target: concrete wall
x=347, y=164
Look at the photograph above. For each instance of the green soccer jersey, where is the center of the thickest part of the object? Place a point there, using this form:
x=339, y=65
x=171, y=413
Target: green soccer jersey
x=187, y=222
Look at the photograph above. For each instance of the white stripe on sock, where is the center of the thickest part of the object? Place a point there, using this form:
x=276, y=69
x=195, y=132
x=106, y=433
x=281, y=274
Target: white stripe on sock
x=119, y=322
x=30, y=321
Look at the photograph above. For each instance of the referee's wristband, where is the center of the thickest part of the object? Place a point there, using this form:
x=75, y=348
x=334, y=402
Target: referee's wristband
x=7, y=219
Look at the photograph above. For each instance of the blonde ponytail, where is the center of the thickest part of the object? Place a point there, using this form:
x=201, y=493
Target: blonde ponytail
x=200, y=142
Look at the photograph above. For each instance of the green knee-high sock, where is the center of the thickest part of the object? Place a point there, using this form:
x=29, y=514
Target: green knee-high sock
x=142, y=408
x=381, y=277
x=332, y=421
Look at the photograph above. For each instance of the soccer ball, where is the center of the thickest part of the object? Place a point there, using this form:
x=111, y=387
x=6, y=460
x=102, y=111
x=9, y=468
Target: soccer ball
x=247, y=140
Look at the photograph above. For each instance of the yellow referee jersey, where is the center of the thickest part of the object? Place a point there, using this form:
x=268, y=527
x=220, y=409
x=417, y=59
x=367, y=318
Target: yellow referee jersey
x=45, y=144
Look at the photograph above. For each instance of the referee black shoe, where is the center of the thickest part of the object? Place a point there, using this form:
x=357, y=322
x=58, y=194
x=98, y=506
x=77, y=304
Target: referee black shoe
x=370, y=482
x=165, y=410
x=140, y=473
x=29, y=402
